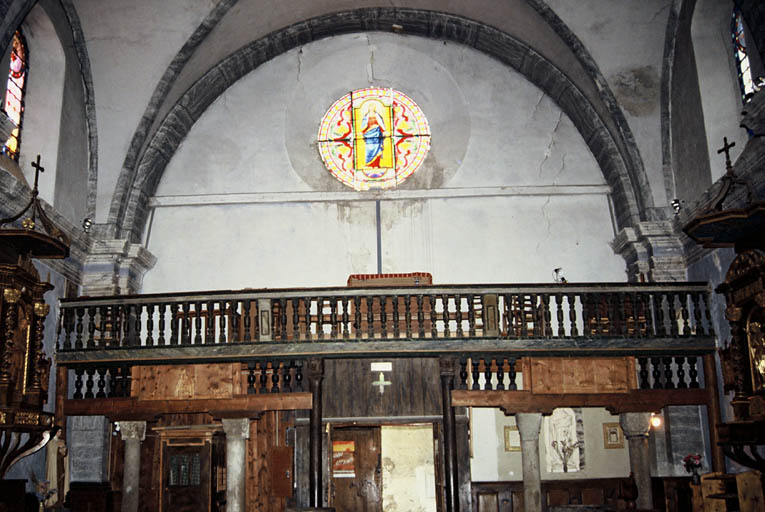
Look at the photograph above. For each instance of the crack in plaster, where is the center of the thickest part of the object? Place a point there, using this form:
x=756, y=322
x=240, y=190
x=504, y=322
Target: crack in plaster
x=549, y=224
x=560, y=171
x=657, y=14
x=536, y=106
x=371, y=66
x=299, y=63
x=550, y=145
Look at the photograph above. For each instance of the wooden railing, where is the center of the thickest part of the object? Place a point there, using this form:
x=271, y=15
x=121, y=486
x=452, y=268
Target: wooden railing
x=502, y=317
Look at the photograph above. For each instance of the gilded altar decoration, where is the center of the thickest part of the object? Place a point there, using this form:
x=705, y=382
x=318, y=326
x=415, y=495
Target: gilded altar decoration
x=756, y=349
x=373, y=138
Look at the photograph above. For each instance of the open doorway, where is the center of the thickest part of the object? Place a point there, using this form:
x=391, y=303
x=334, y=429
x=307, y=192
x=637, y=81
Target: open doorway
x=375, y=468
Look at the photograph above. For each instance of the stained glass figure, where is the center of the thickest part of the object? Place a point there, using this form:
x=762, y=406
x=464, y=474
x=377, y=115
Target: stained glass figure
x=373, y=138
x=743, y=68
x=14, y=94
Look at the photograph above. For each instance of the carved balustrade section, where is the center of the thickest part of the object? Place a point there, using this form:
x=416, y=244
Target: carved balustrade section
x=499, y=312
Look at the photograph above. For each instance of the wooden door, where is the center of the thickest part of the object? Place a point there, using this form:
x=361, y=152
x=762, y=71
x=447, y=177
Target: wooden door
x=357, y=473
x=186, y=478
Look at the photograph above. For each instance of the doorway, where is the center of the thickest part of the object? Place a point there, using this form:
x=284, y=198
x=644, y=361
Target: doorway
x=373, y=468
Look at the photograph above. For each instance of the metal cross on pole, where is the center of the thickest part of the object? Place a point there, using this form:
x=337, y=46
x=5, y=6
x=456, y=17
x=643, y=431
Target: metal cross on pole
x=726, y=149
x=38, y=169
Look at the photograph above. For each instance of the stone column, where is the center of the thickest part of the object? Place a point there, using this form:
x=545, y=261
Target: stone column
x=133, y=432
x=529, y=425
x=237, y=430
x=636, y=426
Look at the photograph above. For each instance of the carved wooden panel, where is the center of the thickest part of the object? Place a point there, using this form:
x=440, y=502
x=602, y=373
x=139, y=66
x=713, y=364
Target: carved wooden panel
x=590, y=375
x=187, y=381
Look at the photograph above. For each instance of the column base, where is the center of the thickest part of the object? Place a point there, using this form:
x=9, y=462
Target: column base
x=91, y=496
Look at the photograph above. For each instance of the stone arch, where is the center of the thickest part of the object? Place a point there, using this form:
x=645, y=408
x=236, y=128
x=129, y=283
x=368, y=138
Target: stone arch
x=128, y=214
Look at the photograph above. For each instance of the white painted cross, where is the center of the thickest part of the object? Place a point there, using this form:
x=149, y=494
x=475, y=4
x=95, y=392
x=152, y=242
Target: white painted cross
x=381, y=382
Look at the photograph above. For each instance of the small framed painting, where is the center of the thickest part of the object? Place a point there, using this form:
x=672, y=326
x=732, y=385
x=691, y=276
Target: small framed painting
x=512, y=439
x=612, y=436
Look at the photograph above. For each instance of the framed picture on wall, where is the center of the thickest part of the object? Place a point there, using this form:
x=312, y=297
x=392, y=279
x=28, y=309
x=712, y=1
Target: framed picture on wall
x=612, y=436
x=512, y=439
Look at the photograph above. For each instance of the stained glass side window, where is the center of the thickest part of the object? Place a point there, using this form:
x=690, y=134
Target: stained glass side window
x=14, y=94
x=743, y=67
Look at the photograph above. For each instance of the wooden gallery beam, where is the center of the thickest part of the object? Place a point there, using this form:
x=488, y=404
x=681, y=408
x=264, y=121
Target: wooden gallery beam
x=638, y=400
x=128, y=409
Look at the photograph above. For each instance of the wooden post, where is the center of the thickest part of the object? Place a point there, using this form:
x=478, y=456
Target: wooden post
x=62, y=390
x=315, y=376
x=451, y=477
x=713, y=412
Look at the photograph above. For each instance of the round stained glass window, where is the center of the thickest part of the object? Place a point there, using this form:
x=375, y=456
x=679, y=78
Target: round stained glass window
x=373, y=138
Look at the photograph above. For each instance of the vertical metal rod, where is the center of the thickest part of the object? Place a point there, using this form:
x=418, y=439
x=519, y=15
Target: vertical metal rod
x=379, y=236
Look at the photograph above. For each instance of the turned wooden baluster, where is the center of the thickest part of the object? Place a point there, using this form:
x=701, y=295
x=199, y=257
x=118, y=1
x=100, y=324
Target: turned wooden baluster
x=396, y=323
x=357, y=317
x=500, y=374
x=251, y=367
x=476, y=373
x=246, y=320
x=91, y=343
x=710, y=328
x=222, y=322
x=487, y=373
x=370, y=317
x=186, y=324
x=573, y=330
x=235, y=324
x=332, y=301
x=197, y=323
x=78, y=372
x=210, y=323
x=433, y=317
x=67, y=323
x=697, y=314
x=263, y=377
x=295, y=319
x=547, y=317
x=161, y=323
x=307, y=315
x=693, y=372
x=512, y=374
x=655, y=362
x=283, y=318
x=174, y=324
x=137, y=325
x=408, y=315
x=559, y=315
x=672, y=314
x=113, y=382
x=643, y=372
x=471, y=315
x=299, y=376
x=275, y=377
x=78, y=337
x=149, y=325
x=383, y=317
x=522, y=315
x=420, y=318
x=680, y=362
x=668, y=384
x=287, y=377
x=101, y=383
x=89, y=382
x=463, y=383
x=684, y=312
x=458, y=314
x=658, y=306
x=445, y=316
x=345, y=302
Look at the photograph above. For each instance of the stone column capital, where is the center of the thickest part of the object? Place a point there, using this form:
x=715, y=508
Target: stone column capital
x=114, y=267
x=236, y=428
x=635, y=424
x=132, y=430
x=529, y=424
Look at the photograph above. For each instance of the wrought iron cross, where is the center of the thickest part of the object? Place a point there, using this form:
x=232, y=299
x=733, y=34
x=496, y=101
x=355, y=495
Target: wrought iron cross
x=726, y=148
x=38, y=169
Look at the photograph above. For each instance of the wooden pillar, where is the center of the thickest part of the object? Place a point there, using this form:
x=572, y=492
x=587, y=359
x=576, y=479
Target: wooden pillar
x=636, y=426
x=237, y=431
x=133, y=433
x=315, y=376
x=451, y=476
x=713, y=412
x=529, y=425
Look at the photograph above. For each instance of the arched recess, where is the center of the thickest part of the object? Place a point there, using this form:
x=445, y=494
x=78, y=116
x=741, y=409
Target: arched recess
x=76, y=155
x=129, y=207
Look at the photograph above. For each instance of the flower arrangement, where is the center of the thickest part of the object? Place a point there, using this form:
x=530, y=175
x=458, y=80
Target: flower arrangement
x=692, y=462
